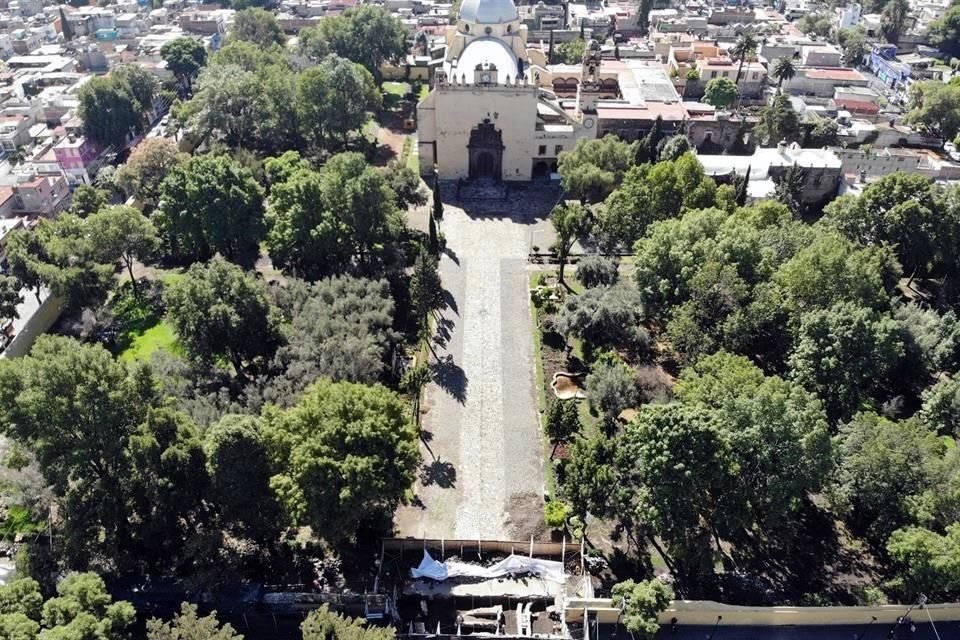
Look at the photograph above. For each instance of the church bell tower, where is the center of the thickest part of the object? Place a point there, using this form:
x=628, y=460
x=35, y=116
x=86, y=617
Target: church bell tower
x=588, y=89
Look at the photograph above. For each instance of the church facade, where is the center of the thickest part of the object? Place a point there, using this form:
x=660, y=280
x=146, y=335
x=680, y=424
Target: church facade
x=491, y=113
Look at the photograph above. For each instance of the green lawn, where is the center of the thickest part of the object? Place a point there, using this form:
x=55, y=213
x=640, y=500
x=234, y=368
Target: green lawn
x=396, y=88
x=369, y=130
x=159, y=337
x=410, y=155
x=424, y=90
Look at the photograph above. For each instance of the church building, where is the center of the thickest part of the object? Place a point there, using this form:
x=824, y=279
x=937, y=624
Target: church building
x=492, y=113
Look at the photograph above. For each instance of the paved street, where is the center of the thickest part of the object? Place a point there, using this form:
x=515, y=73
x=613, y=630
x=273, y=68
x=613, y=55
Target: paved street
x=483, y=475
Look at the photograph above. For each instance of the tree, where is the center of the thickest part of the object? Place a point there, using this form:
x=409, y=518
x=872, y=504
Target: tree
x=831, y=269
x=184, y=57
x=778, y=122
x=941, y=407
x=649, y=193
x=346, y=453
x=334, y=98
x=166, y=490
x=935, y=108
x=612, y=388
x=853, y=42
x=125, y=232
x=816, y=23
x=674, y=475
x=321, y=223
x=571, y=52
x=108, y=111
x=569, y=223
x=405, y=184
x=245, y=98
x=844, y=354
x=112, y=106
x=142, y=175
x=878, y=472
x=675, y=147
x=894, y=19
x=211, y=204
x=641, y=602
x=897, y=210
x=368, y=35
x=934, y=338
x=24, y=253
x=598, y=271
x=82, y=608
x=74, y=407
x=188, y=625
x=62, y=255
x=784, y=69
x=88, y=200
x=339, y=328
x=140, y=84
x=437, y=199
x=218, y=310
x=594, y=168
x=563, y=422
x=702, y=324
x=10, y=297
x=720, y=92
x=239, y=469
x=790, y=188
x=743, y=49
x=605, y=317
x=928, y=563
x=778, y=433
x=945, y=32
x=426, y=291
x=323, y=624
x=258, y=26
x=822, y=133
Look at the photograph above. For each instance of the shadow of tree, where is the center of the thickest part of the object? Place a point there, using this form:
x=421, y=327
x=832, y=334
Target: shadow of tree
x=450, y=302
x=440, y=473
x=811, y=557
x=450, y=377
x=442, y=335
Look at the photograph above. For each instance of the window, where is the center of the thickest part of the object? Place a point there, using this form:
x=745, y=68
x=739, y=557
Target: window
x=756, y=74
x=542, y=151
x=713, y=74
x=557, y=149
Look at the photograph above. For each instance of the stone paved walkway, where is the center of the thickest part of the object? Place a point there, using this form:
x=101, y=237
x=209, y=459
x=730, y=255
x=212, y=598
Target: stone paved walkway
x=483, y=474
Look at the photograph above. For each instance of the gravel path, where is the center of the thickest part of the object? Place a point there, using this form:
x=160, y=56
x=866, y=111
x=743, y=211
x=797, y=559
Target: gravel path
x=483, y=459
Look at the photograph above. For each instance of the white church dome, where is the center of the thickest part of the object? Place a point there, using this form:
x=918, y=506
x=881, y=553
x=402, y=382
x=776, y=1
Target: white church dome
x=488, y=11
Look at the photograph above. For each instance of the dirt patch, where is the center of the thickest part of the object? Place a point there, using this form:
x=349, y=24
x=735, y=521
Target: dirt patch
x=566, y=386
x=525, y=517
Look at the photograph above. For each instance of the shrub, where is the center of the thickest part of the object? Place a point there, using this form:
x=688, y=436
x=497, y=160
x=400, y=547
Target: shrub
x=555, y=514
x=595, y=271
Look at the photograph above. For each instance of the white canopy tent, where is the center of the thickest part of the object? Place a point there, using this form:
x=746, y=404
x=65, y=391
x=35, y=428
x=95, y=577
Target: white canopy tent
x=511, y=565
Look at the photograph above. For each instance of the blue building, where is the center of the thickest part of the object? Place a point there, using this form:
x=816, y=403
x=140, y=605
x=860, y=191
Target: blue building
x=884, y=65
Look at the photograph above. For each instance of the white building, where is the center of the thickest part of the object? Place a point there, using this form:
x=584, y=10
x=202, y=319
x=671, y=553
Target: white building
x=488, y=115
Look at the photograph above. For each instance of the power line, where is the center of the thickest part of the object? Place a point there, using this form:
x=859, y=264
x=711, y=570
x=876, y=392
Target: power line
x=930, y=618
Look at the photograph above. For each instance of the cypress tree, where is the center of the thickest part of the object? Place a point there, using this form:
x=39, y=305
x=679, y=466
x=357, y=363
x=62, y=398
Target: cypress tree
x=437, y=203
x=434, y=240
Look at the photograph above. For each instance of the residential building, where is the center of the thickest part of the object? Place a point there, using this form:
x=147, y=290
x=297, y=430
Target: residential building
x=822, y=170
x=79, y=158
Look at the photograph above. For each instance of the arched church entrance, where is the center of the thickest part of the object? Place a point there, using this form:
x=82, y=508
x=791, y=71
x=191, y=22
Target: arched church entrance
x=541, y=170
x=486, y=151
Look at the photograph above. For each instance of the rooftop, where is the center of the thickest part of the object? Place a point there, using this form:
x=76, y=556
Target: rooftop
x=846, y=75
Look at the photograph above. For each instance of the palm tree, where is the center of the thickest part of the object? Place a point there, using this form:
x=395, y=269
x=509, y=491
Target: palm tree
x=744, y=48
x=784, y=69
